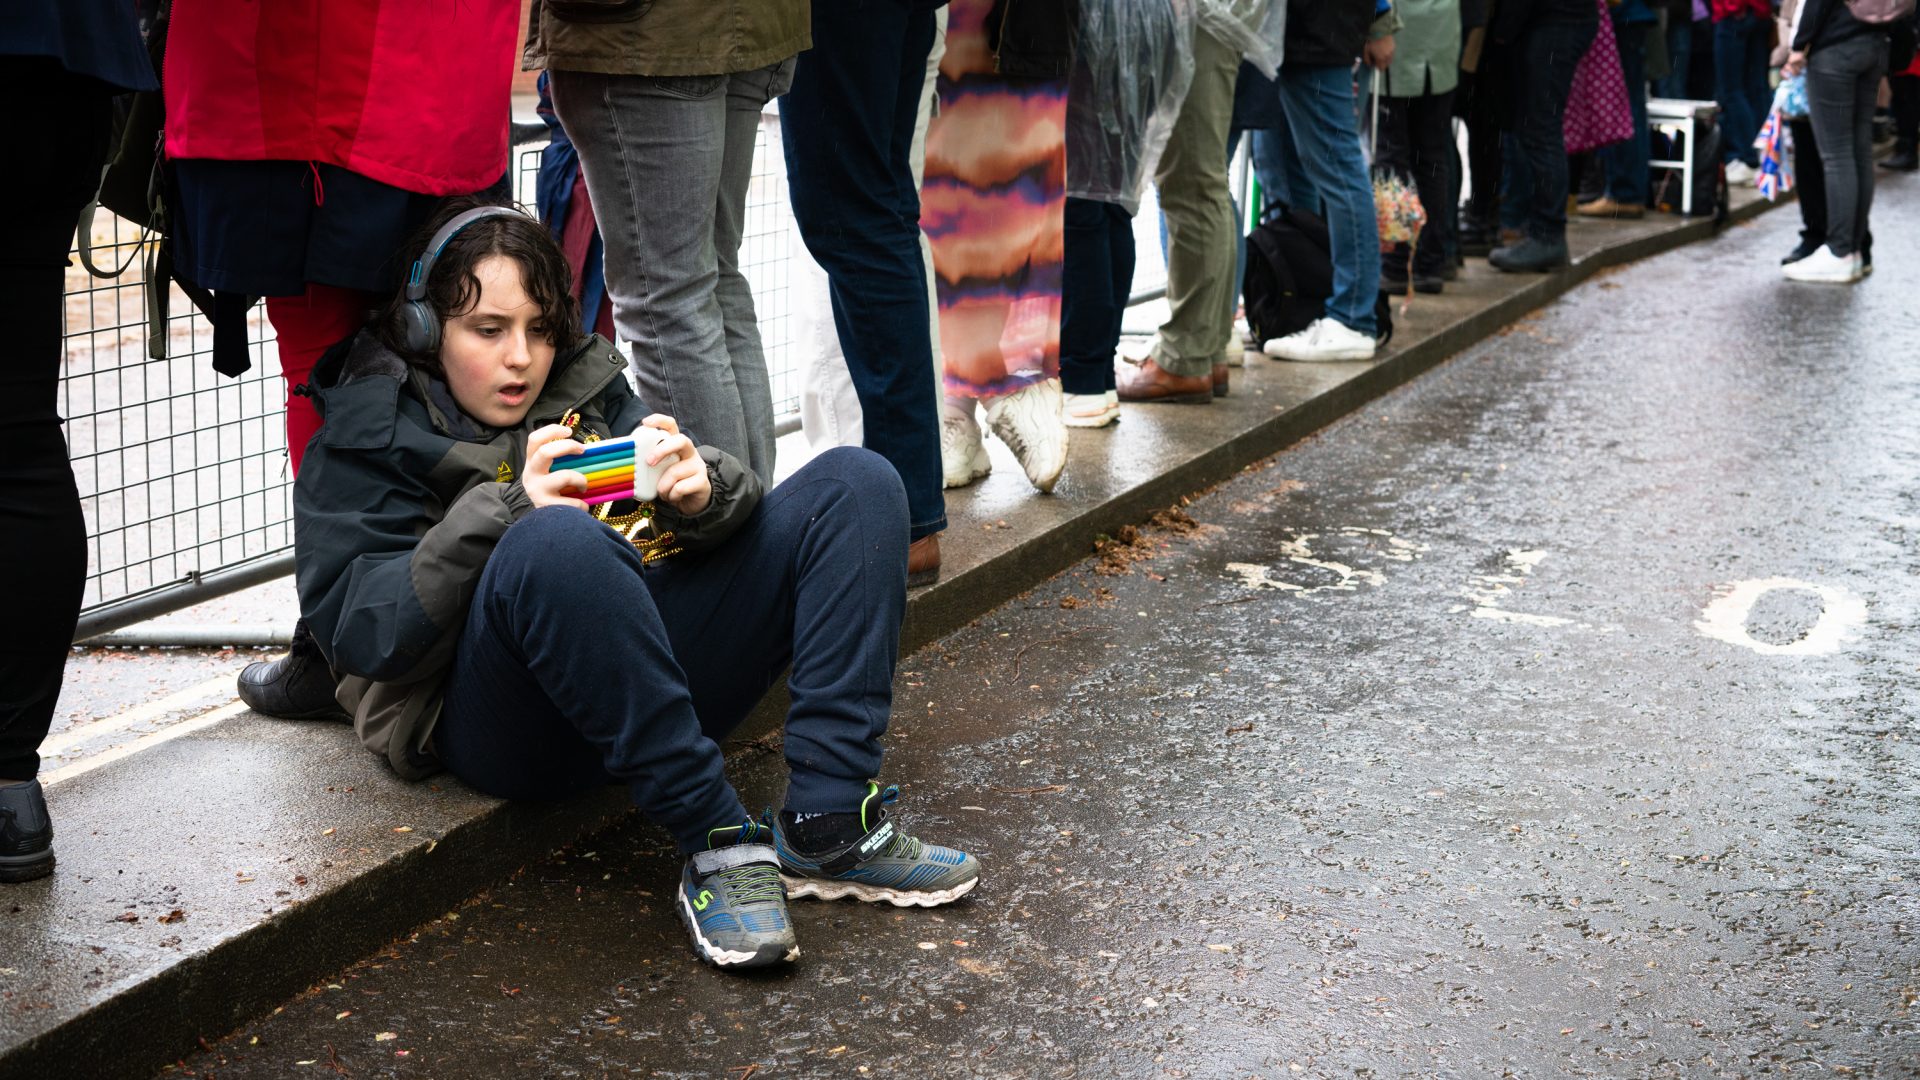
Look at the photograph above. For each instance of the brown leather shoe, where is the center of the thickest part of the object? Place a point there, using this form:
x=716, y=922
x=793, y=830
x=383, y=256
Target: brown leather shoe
x=1147, y=381
x=923, y=561
x=1604, y=207
x=1220, y=386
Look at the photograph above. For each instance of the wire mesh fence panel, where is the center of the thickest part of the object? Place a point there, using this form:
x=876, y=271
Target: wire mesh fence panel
x=183, y=472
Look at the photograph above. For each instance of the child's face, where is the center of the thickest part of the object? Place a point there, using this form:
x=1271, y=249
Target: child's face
x=497, y=355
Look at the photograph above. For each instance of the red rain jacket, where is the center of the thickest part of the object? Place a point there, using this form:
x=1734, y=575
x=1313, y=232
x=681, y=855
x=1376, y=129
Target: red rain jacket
x=1723, y=8
x=412, y=93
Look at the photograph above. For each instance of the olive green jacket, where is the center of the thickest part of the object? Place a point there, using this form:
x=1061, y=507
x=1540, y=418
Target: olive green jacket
x=666, y=37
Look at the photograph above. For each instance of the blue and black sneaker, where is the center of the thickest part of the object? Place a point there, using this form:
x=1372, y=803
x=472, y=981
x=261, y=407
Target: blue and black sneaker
x=883, y=864
x=732, y=902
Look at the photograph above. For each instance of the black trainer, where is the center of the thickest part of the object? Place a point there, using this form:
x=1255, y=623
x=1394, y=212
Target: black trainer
x=26, y=833
x=298, y=686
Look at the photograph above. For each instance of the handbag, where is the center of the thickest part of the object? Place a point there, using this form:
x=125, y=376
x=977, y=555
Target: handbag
x=1396, y=199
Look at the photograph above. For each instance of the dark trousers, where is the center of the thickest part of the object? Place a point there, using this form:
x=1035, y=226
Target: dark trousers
x=579, y=668
x=1481, y=110
x=1096, y=279
x=1548, y=53
x=43, y=539
x=1906, y=111
x=1810, y=178
x=1740, y=57
x=847, y=127
x=1842, y=81
x=1416, y=134
x=1628, y=174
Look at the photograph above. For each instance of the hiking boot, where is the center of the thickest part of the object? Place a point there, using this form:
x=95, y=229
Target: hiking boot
x=880, y=865
x=26, y=833
x=1530, y=256
x=298, y=686
x=923, y=561
x=732, y=902
x=1604, y=207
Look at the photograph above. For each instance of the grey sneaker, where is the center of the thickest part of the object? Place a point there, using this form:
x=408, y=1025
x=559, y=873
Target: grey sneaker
x=732, y=902
x=884, y=865
x=26, y=833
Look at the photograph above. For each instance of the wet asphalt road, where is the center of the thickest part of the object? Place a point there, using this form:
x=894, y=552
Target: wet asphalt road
x=1415, y=758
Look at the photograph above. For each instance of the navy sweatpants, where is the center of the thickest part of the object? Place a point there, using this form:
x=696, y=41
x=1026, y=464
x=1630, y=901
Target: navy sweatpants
x=580, y=667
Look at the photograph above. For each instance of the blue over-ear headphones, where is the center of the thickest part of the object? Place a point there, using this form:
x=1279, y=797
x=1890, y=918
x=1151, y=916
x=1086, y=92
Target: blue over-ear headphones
x=419, y=323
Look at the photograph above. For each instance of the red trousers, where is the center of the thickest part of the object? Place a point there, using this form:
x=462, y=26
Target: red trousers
x=307, y=326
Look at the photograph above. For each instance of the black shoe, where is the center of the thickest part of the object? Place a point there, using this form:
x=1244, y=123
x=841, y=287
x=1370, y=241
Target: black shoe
x=26, y=833
x=298, y=686
x=1800, y=251
x=1901, y=160
x=1531, y=256
x=1476, y=240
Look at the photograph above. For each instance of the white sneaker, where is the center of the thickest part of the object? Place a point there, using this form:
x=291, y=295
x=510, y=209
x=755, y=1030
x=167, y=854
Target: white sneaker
x=963, y=456
x=1241, y=341
x=1028, y=421
x=1326, y=339
x=1135, y=349
x=1739, y=172
x=1824, y=266
x=1091, y=410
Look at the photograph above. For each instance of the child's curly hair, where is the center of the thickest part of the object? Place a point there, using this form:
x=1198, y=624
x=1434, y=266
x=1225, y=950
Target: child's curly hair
x=453, y=286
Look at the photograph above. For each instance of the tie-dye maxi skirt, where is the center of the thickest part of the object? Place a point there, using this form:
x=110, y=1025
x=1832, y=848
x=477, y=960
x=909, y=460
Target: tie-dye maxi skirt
x=992, y=206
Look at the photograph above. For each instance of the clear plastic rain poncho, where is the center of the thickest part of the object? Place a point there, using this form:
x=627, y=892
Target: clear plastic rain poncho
x=1132, y=65
x=1256, y=29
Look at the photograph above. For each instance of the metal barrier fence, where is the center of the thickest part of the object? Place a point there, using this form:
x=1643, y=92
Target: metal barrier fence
x=183, y=472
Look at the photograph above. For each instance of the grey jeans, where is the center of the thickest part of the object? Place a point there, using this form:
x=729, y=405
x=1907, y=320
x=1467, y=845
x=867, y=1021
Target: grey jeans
x=1843, y=80
x=667, y=162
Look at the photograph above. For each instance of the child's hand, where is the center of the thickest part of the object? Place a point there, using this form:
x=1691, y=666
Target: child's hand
x=684, y=485
x=543, y=486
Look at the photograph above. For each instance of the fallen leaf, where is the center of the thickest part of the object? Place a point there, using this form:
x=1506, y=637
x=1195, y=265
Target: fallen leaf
x=326, y=832
x=404, y=828
x=173, y=916
x=126, y=916
x=343, y=1014
x=386, y=1036
x=929, y=945
x=1220, y=948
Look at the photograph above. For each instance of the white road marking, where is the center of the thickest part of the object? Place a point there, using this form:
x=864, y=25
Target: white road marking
x=1725, y=619
x=1488, y=591
x=219, y=685
x=1348, y=579
x=185, y=727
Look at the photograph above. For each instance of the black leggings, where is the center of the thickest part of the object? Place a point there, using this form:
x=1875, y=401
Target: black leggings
x=43, y=539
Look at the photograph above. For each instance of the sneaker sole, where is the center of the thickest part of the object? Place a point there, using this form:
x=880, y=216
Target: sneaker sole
x=1100, y=421
x=817, y=889
x=766, y=956
x=15, y=869
x=1347, y=356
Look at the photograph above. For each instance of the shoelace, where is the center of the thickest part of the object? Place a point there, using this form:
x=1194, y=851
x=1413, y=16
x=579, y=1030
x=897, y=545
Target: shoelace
x=752, y=884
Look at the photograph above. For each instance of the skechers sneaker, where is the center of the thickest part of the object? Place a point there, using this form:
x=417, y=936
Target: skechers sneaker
x=884, y=864
x=732, y=902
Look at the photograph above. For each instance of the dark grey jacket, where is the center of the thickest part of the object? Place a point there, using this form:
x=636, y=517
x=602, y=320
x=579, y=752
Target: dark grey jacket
x=399, y=503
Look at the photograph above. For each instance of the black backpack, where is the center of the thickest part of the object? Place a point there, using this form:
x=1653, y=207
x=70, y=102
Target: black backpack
x=1710, y=195
x=1290, y=275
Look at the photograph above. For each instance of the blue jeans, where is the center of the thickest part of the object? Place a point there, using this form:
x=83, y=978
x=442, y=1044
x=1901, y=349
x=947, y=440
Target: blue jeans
x=1096, y=279
x=1323, y=120
x=847, y=127
x=579, y=667
x=1740, y=81
x=1626, y=162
